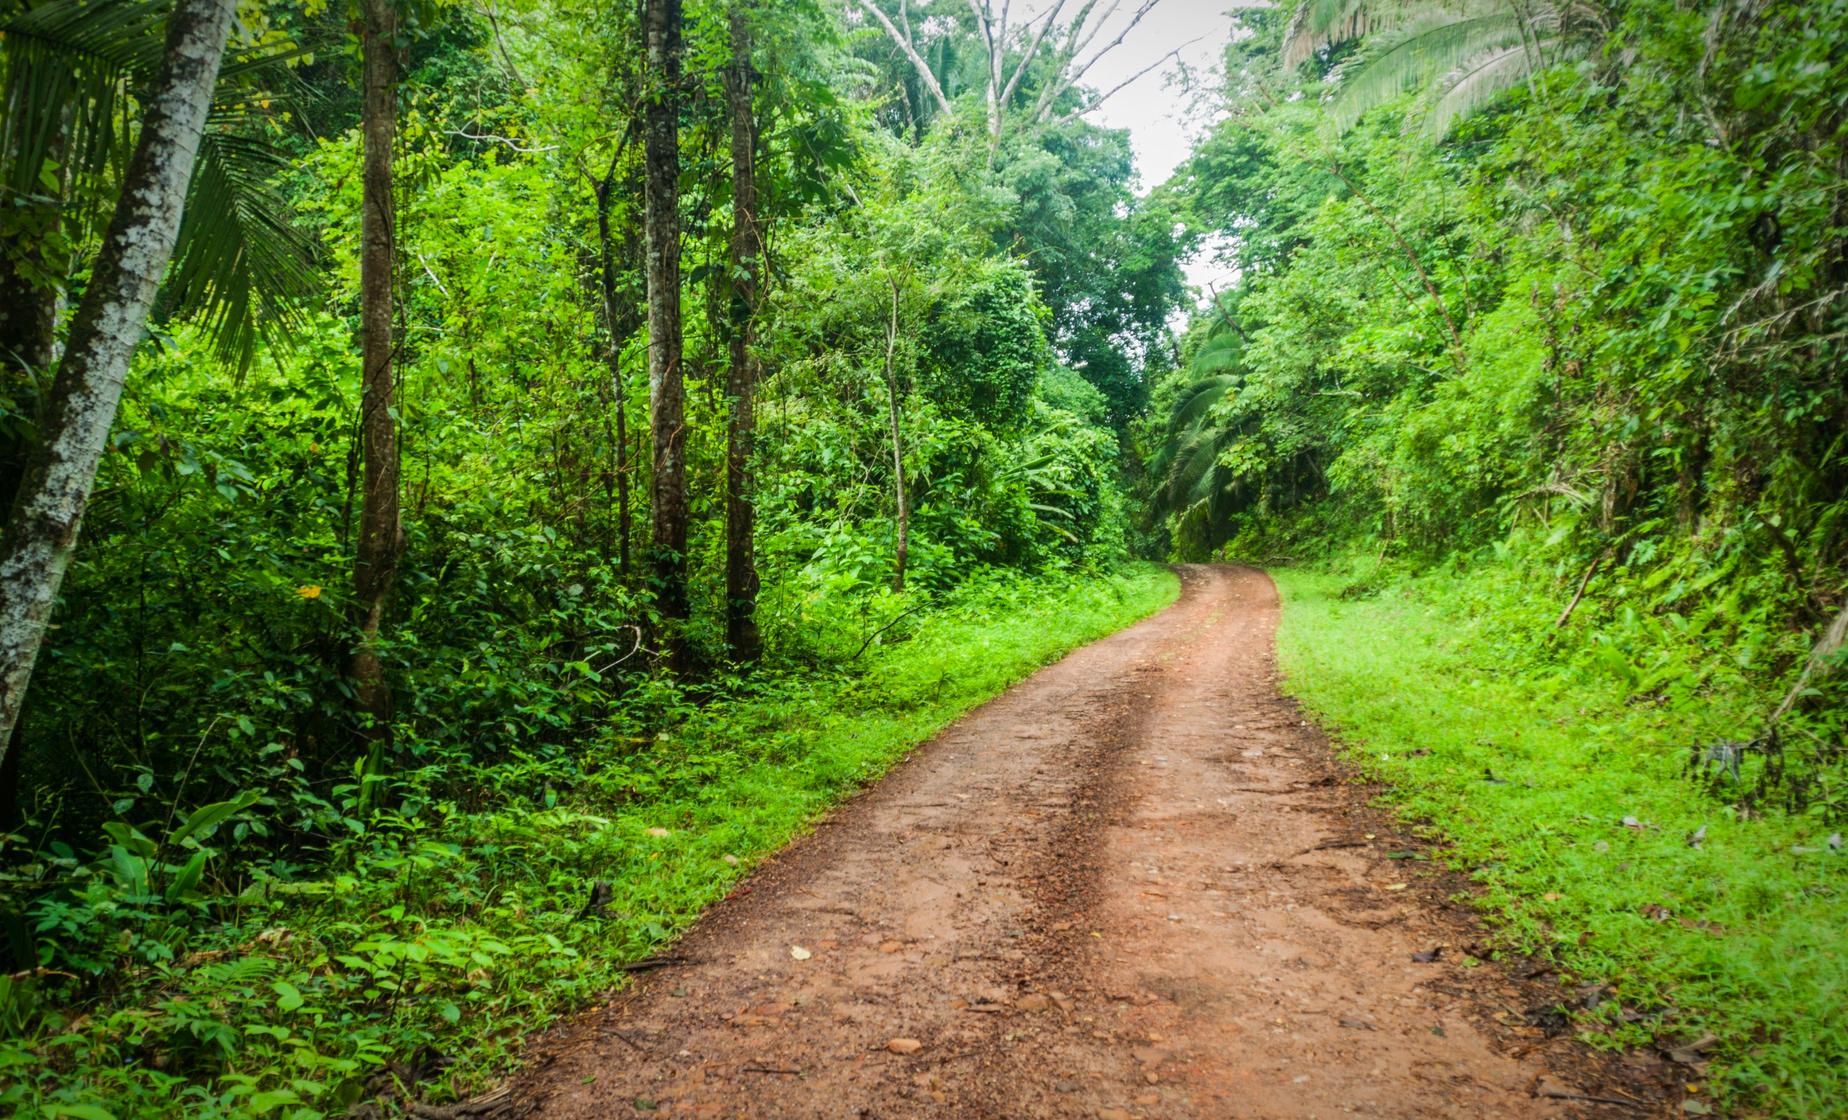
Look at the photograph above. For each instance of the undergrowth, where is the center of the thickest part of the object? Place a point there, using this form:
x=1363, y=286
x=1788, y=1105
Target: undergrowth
x=413, y=960
x=1553, y=765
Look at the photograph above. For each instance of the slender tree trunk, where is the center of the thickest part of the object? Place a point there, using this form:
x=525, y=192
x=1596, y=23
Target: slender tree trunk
x=620, y=320
x=375, y=564
x=29, y=310
x=48, y=512
x=741, y=384
x=661, y=230
x=898, y=448
x=28, y=349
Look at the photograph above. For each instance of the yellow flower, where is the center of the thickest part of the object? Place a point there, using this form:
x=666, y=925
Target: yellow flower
x=309, y=591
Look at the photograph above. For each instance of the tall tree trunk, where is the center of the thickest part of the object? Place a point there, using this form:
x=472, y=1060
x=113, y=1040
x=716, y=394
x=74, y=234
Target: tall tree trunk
x=661, y=230
x=30, y=304
x=48, y=512
x=898, y=448
x=28, y=349
x=375, y=564
x=620, y=320
x=741, y=384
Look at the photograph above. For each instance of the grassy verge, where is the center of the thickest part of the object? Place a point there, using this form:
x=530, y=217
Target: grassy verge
x=1528, y=762
x=420, y=956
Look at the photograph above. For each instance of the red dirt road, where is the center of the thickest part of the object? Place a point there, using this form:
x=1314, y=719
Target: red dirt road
x=1136, y=885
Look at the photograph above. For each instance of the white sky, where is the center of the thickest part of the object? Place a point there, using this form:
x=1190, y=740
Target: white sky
x=1162, y=119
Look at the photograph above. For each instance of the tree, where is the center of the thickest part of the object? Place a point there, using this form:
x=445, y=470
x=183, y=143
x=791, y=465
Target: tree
x=67, y=69
x=620, y=321
x=375, y=561
x=998, y=41
x=661, y=237
x=1458, y=56
x=894, y=394
x=741, y=384
x=42, y=533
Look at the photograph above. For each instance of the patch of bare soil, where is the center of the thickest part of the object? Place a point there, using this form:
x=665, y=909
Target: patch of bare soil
x=1136, y=885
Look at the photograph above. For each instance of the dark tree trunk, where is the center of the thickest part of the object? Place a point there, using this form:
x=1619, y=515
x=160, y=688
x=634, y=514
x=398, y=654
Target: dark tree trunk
x=620, y=320
x=666, y=407
x=375, y=564
x=898, y=448
x=42, y=533
x=28, y=348
x=29, y=310
x=741, y=383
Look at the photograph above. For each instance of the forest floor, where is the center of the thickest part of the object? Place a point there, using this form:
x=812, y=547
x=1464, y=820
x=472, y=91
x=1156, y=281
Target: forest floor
x=1138, y=884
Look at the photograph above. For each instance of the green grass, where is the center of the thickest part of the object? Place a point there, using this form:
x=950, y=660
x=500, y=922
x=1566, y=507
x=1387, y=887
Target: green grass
x=1435, y=682
x=455, y=924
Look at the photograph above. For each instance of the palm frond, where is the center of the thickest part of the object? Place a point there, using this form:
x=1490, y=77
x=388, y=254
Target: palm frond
x=67, y=72
x=1198, y=399
x=66, y=63
x=1470, y=87
x=1413, y=56
x=240, y=267
x=1208, y=477
x=1316, y=25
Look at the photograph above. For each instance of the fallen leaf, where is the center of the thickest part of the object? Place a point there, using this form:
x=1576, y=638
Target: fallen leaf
x=1398, y=886
x=1033, y=1001
x=1358, y=1025
x=659, y=832
x=890, y=946
x=799, y=952
x=904, y=1046
x=1697, y=837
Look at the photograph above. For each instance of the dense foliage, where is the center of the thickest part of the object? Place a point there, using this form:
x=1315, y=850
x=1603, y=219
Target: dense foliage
x=395, y=697
x=1594, y=329
x=225, y=884
x=1532, y=369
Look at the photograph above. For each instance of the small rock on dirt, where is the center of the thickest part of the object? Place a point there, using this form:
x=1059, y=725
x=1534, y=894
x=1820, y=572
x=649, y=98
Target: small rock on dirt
x=904, y=1046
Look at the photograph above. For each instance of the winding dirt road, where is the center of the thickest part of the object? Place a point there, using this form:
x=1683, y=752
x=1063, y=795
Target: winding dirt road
x=1136, y=885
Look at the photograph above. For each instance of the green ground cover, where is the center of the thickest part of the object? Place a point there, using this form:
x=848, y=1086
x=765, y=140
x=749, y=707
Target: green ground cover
x=1553, y=770
x=448, y=928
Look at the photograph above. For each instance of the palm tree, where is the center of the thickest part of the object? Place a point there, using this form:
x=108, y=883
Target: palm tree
x=1459, y=56
x=1189, y=477
x=70, y=73
x=137, y=244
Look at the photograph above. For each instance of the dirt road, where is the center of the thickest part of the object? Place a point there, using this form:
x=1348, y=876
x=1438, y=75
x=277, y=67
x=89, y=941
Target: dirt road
x=1136, y=885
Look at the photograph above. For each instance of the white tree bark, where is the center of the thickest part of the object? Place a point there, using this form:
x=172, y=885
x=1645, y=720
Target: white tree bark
x=42, y=532
x=904, y=43
x=999, y=85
